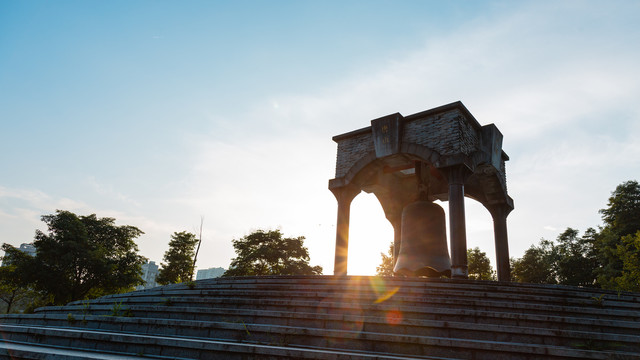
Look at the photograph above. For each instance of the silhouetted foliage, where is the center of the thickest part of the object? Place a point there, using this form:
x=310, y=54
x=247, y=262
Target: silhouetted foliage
x=629, y=253
x=178, y=260
x=622, y=214
x=268, y=253
x=386, y=265
x=14, y=295
x=569, y=260
x=575, y=258
x=537, y=265
x=479, y=265
x=608, y=258
x=79, y=257
x=615, y=241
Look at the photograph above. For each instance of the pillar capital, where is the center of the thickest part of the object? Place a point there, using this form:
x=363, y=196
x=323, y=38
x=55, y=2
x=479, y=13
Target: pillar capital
x=345, y=194
x=499, y=210
x=457, y=174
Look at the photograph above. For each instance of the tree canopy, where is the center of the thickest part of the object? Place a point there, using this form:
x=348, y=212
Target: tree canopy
x=269, y=253
x=537, y=265
x=608, y=257
x=622, y=214
x=629, y=253
x=615, y=243
x=386, y=265
x=12, y=293
x=178, y=260
x=80, y=257
x=479, y=265
x=575, y=261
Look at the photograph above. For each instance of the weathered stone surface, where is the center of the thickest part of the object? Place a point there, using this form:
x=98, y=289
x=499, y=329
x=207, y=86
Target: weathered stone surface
x=447, y=132
x=358, y=146
x=447, y=140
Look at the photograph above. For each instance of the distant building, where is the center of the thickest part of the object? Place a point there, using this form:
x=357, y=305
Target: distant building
x=28, y=249
x=209, y=273
x=25, y=248
x=149, y=275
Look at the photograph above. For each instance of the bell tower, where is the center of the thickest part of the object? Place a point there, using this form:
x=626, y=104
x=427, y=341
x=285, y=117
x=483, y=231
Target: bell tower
x=409, y=161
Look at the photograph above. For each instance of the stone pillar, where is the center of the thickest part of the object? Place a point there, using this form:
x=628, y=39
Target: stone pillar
x=397, y=235
x=344, y=195
x=499, y=213
x=457, y=227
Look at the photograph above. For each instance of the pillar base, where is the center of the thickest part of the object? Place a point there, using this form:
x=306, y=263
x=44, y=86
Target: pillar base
x=459, y=272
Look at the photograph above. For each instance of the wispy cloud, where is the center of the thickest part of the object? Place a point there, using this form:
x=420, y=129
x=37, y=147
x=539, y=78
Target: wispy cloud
x=37, y=199
x=22, y=209
x=109, y=191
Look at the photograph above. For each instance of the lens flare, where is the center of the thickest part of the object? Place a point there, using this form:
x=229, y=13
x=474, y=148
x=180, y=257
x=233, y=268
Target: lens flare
x=393, y=317
x=380, y=288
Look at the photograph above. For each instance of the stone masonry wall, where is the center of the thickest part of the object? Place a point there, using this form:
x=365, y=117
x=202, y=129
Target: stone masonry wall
x=468, y=137
x=503, y=173
x=447, y=133
x=351, y=150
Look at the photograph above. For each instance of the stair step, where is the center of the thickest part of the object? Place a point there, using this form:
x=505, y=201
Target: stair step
x=542, y=333
x=347, y=317
x=164, y=347
x=275, y=299
x=340, y=338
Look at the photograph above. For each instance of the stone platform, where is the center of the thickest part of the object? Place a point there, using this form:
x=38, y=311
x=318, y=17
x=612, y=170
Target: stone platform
x=327, y=317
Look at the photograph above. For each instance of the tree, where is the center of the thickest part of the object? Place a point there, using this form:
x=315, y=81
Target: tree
x=15, y=294
x=622, y=214
x=11, y=291
x=537, y=265
x=80, y=257
x=629, y=253
x=178, y=265
x=576, y=262
x=479, y=265
x=621, y=218
x=386, y=266
x=268, y=253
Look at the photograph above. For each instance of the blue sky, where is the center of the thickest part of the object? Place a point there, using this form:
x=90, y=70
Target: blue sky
x=157, y=113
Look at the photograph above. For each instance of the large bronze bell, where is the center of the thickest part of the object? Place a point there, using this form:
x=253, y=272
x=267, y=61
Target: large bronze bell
x=423, y=247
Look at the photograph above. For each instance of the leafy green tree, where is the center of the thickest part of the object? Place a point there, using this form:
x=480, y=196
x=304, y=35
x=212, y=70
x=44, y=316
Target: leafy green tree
x=609, y=258
x=576, y=261
x=80, y=257
x=268, y=253
x=537, y=265
x=622, y=214
x=479, y=265
x=621, y=218
x=629, y=253
x=386, y=266
x=178, y=260
x=512, y=264
x=13, y=294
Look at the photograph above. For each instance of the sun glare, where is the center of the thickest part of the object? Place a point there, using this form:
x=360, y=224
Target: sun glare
x=370, y=234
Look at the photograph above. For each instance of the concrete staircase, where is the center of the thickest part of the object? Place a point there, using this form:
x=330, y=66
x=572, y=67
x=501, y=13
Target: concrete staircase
x=326, y=317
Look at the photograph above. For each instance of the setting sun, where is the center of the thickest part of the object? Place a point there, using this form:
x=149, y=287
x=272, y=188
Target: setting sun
x=370, y=234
